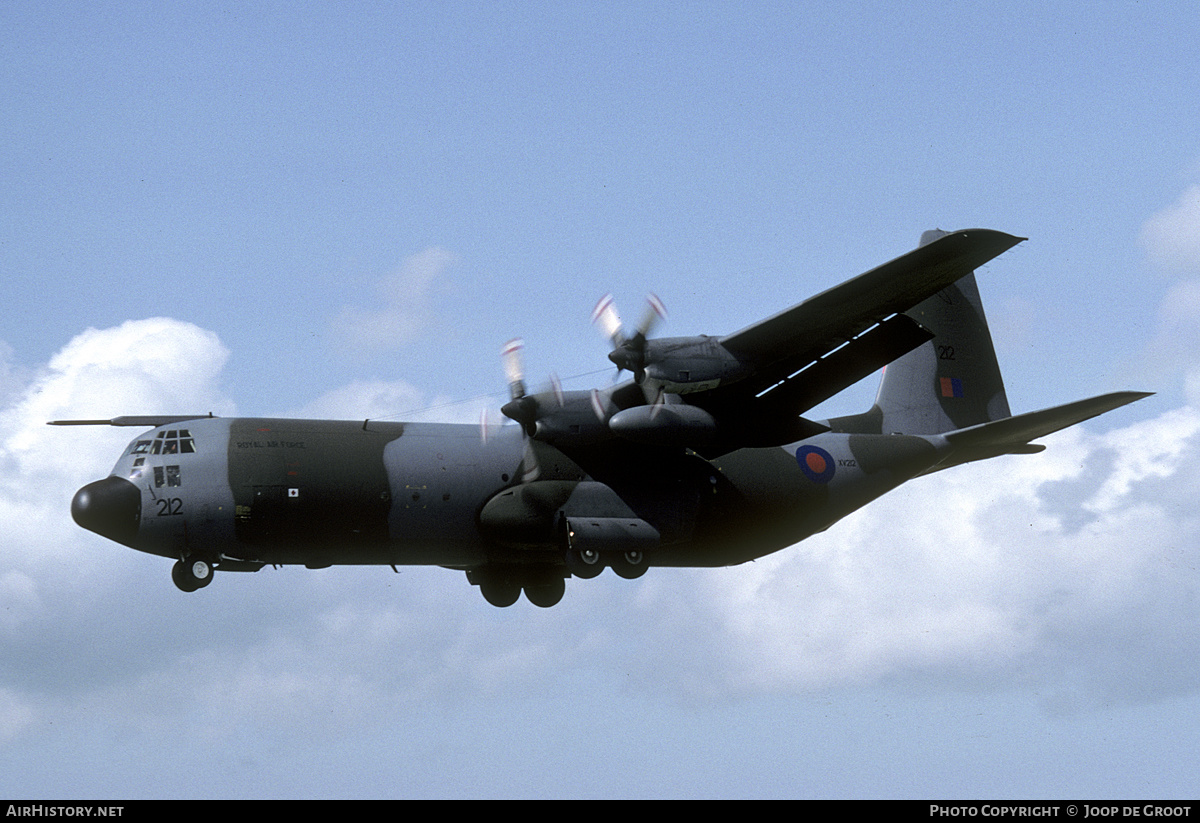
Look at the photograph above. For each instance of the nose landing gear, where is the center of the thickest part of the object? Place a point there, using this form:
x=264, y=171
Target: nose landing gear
x=192, y=573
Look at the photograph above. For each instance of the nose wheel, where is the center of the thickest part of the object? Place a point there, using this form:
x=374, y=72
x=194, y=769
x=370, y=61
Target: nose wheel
x=192, y=573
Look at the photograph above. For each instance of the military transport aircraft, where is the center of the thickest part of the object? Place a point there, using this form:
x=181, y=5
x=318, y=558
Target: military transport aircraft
x=701, y=459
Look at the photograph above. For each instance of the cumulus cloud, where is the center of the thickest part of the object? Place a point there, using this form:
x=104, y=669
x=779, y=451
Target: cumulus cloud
x=140, y=367
x=1073, y=571
x=1171, y=236
x=404, y=306
x=56, y=589
x=364, y=398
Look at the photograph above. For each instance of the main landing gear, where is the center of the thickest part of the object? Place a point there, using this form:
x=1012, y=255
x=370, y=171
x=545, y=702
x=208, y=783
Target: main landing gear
x=587, y=563
x=192, y=573
x=544, y=586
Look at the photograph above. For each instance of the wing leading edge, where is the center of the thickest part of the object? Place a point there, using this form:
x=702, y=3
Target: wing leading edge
x=824, y=321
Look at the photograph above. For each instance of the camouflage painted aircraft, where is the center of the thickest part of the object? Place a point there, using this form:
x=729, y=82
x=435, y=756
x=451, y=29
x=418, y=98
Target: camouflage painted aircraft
x=701, y=459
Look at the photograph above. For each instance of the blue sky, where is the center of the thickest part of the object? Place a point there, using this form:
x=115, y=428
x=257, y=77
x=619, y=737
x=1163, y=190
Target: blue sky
x=346, y=209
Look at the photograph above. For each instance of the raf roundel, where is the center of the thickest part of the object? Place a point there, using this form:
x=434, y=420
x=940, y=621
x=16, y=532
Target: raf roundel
x=816, y=463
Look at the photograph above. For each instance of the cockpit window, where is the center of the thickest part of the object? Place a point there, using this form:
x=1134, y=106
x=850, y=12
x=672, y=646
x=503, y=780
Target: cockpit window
x=172, y=441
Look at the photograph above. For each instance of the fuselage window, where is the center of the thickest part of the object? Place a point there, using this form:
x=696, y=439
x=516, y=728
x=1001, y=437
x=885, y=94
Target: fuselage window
x=167, y=476
x=172, y=442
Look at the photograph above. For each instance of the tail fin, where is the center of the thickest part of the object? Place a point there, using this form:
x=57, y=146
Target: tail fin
x=949, y=383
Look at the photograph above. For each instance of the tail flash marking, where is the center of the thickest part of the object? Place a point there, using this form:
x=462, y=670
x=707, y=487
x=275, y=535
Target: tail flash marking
x=951, y=387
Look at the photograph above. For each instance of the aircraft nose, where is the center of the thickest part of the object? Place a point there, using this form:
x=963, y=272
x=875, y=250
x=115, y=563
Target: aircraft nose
x=111, y=507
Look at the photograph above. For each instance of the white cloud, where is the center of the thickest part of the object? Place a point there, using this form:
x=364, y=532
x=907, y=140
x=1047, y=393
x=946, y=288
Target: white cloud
x=1172, y=236
x=1175, y=346
x=140, y=367
x=143, y=366
x=15, y=715
x=61, y=588
x=364, y=398
x=396, y=400
x=12, y=376
x=1074, y=570
x=404, y=308
x=1076, y=566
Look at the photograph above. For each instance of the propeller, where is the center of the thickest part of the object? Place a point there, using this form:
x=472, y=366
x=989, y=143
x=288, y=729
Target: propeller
x=514, y=368
x=520, y=407
x=629, y=353
x=526, y=408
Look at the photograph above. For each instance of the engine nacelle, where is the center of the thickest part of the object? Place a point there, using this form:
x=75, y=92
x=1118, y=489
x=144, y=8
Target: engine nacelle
x=665, y=424
x=533, y=516
x=681, y=365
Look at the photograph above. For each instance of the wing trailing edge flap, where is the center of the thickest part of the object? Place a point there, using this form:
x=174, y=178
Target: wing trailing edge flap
x=1012, y=435
x=771, y=416
x=836, y=371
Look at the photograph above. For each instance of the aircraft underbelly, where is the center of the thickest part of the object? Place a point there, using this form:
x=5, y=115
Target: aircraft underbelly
x=786, y=494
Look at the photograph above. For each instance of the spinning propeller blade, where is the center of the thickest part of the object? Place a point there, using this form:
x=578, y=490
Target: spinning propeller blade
x=606, y=315
x=514, y=368
x=629, y=353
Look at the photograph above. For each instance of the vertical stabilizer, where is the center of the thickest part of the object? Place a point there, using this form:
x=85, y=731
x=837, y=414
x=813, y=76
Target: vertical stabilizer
x=949, y=383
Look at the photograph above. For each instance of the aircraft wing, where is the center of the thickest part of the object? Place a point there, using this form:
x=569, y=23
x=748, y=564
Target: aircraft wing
x=810, y=329
x=810, y=352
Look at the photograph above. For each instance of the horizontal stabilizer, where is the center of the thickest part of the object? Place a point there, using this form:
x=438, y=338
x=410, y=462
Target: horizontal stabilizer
x=148, y=421
x=1012, y=435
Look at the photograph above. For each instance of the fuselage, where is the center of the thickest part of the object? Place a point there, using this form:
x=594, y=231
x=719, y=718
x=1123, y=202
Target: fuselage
x=245, y=492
